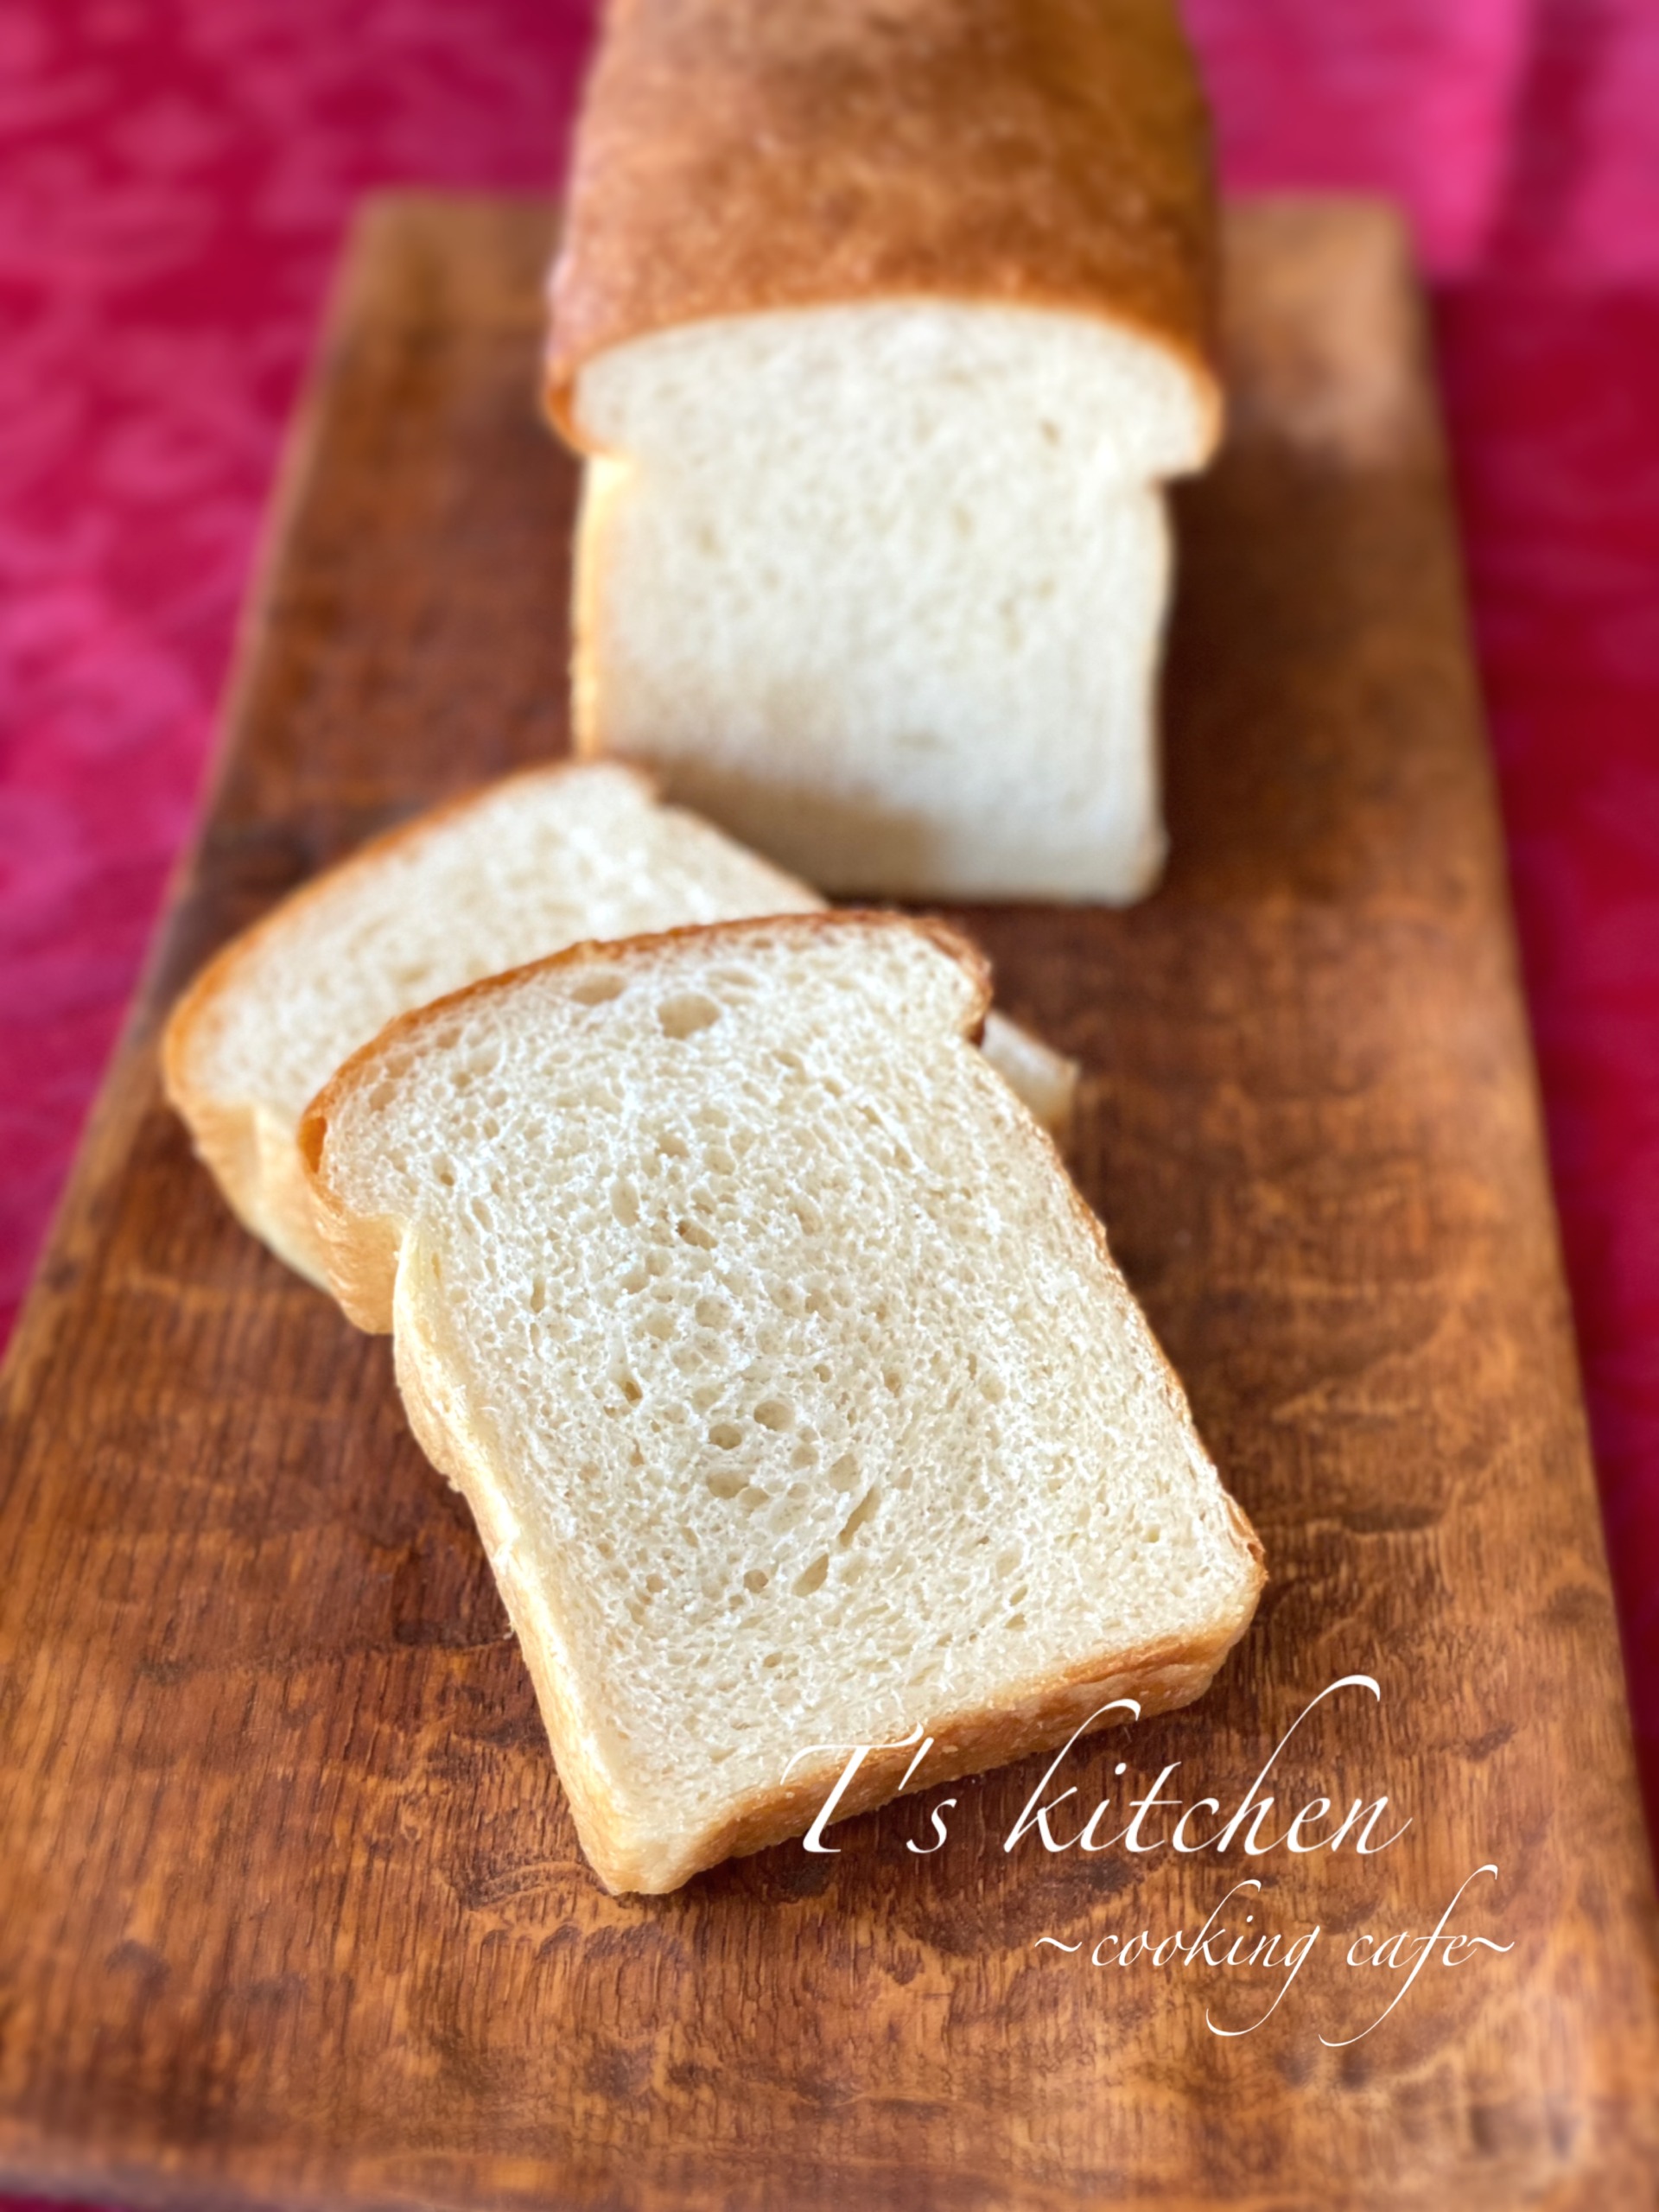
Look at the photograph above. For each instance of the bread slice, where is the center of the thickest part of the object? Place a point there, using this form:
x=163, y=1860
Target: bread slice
x=881, y=328
x=526, y=866
x=794, y=1390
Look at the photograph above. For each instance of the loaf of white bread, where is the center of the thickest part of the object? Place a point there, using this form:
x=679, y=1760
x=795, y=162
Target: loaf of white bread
x=794, y=1390
x=880, y=324
x=521, y=869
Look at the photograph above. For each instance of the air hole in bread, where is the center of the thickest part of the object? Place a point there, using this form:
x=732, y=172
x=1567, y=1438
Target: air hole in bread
x=687, y=1012
x=813, y=1577
x=864, y=1510
x=597, y=990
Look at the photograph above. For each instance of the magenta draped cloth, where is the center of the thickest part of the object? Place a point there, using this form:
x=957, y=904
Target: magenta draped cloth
x=175, y=176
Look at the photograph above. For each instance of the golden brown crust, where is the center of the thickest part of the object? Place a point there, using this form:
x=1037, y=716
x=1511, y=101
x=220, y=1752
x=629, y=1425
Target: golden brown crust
x=735, y=157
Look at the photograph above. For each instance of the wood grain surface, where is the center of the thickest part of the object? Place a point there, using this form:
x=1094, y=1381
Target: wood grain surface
x=291, y=1910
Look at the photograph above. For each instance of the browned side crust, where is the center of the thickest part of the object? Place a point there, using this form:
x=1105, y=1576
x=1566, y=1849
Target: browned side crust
x=737, y=156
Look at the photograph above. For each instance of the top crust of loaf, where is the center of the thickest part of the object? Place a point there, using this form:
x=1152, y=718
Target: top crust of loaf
x=736, y=157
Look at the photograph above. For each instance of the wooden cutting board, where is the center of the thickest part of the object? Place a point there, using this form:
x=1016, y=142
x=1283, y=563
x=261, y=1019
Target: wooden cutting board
x=291, y=1910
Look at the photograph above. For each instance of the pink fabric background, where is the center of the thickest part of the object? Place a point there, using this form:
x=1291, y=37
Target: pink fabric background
x=174, y=178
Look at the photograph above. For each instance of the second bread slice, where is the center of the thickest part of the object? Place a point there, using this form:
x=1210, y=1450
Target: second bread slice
x=519, y=869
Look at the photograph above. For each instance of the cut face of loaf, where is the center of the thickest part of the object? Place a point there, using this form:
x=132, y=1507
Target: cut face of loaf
x=531, y=864
x=796, y=1394
x=882, y=588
